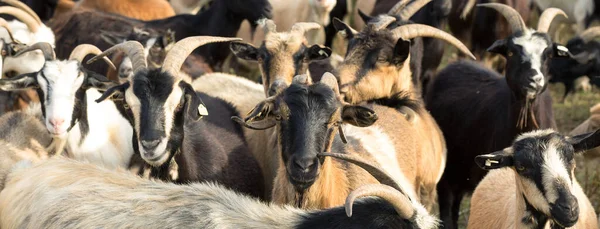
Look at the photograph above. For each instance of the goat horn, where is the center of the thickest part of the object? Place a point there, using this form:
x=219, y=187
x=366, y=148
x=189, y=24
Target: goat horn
x=4, y=25
x=183, y=48
x=268, y=25
x=25, y=8
x=21, y=15
x=303, y=27
x=590, y=34
x=330, y=80
x=401, y=203
x=396, y=9
x=377, y=173
x=468, y=7
x=45, y=47
x=382, y=22
x=410, y=31
x=82, y=50
x=133, y=49
x=512, y=16
x=301, y=79
x=547, y=17
x=412, y=9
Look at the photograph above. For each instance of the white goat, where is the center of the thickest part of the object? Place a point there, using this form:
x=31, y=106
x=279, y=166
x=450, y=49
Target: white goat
x=95, y=132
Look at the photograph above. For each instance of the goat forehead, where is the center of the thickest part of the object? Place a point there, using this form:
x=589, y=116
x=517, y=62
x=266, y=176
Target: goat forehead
x=533, y=46
x=314, y=101
x=63, y=72
x=156, y=88
x=283, y=42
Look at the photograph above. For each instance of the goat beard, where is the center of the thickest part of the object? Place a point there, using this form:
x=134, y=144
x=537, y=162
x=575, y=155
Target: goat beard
x=525, y=113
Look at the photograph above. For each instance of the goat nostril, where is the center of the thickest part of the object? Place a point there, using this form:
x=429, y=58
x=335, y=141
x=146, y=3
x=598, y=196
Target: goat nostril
x=56, y=122
x=305, y=163
x=149, y=145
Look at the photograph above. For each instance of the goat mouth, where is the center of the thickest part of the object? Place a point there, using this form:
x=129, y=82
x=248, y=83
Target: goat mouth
x=301, y=184
x=566, y=224
x=157, y=160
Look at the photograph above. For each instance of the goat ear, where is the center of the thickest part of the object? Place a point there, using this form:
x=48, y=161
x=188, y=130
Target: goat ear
x=366, y=18
x=19, y=82
x=98, y=81
x=118, y=91
x=498, y=47
x=494, y=160
x=585, y=142
x=244, y=51
x=560, y=51
x=346, y=31
x=261, y=116
x=195, y=109
x=317, y=52
x=401, y=50
x=358, y=115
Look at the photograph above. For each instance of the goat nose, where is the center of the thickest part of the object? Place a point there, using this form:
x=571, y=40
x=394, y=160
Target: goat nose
x=150, y=145
x=305, y=163
x=276, y=87
x=57, y=122
x=571, y=207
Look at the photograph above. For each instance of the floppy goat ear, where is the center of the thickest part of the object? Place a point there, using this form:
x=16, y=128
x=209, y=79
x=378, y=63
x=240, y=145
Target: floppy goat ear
x=498, y=47
x=19, y=82
x=358, y=115
x=194, y=108
x=585, y=142
x=118, y=91
x=495, y=160
x=317, y=52
x=98, y=81
x=259, y=118
x=244, y=51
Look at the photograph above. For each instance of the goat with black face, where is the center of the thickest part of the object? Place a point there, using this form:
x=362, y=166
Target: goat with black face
x=481, y=111
x=535, y=179
x=168, y=132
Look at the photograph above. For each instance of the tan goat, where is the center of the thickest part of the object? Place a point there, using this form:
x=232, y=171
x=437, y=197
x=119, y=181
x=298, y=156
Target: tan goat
x=532, y=184
x=139, y=9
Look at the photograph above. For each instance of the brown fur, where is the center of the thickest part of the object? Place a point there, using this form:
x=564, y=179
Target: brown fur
x=498, y=203
x=139, y=9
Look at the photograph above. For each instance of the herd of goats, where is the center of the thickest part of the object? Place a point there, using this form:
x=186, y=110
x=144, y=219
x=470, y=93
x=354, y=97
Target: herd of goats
x=167, y=131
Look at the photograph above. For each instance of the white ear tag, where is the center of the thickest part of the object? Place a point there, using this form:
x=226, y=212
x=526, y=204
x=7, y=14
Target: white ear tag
x=323, y=53
x=489, y=162
x=202, y=110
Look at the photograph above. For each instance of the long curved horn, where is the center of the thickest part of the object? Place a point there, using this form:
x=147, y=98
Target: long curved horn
x=183, y=48
x=401, y=203
x=82, y=50
x=45, y=47
x=303, y=27
x=4, y=25
x=512, y=16
x=268, y=25
x=382, y=22
x=25, y=8
x=590, y=34
x=546, y=19
x=468, y=7
x=133, y=49
x=410, y=31
x=412, y=9
x=396, y=9
x=368, y=166
x=21, y=15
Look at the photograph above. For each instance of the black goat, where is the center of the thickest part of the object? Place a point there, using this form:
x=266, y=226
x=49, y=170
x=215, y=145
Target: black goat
x=481, y=111
x=223, y=18
x=168, y=132
x=585, y=61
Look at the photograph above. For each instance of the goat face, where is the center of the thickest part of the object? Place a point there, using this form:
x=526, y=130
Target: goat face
x=544, y=164
x=528, y=56
x=281, y=57
x=251, y=10
x=371, y=65
x=157, y=102
x=307, y=118
x=61, y=86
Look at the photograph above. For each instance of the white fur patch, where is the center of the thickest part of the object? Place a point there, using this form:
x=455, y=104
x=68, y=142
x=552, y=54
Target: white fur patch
x=554, y=173
x=533, y=48
x=535, y=133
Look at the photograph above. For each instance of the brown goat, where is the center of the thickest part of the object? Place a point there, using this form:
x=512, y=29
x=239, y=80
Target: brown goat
x=139, y=9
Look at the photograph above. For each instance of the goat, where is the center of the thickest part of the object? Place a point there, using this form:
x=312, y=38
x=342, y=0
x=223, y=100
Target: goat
x=532, y=184
x=87, y=196
x=223, y=18
x=584, y=52
x=286, y=14
x=96, y=132
x=172, y=126
x=498, y=107
x=144, y=10
x=282, y=55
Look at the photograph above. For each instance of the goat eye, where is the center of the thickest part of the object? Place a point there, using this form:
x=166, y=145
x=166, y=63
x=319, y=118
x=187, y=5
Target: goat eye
x=521, y=168
x=510, y=53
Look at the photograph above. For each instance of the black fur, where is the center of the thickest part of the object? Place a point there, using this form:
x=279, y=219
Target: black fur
x=477, y=111
x=587, y=63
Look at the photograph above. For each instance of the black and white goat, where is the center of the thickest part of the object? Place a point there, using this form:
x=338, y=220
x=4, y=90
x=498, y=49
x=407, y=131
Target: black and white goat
x=532, y=184
x=482, y=111
x=95, y=132
x=173, y=132
x=82, y=195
